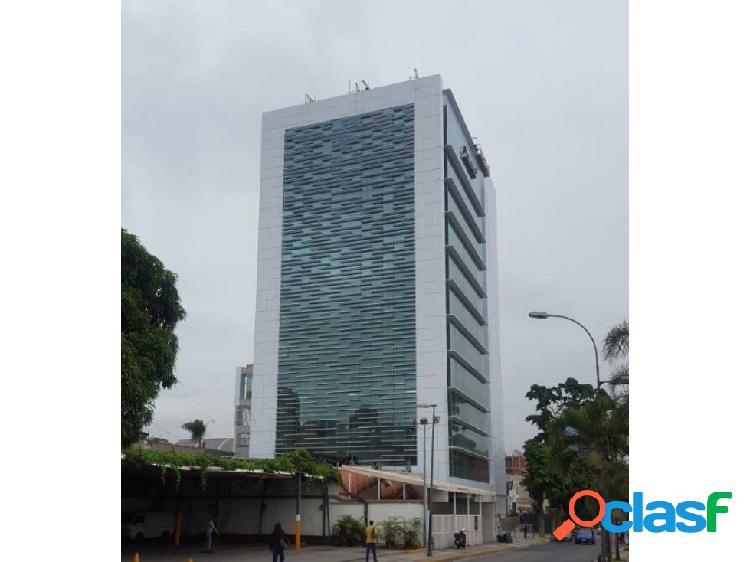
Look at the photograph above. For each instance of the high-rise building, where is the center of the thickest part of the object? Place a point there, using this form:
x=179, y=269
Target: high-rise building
x=242, y=402
x=378, y=285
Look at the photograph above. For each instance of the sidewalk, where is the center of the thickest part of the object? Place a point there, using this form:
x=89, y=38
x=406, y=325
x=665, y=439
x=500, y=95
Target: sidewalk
x=245, y=553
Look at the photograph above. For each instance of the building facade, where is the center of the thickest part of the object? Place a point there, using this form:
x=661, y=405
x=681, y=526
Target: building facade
x=377, y=285
x=518, y=496
x=242, y=402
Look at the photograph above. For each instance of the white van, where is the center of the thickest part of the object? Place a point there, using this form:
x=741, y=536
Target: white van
x=147, y=525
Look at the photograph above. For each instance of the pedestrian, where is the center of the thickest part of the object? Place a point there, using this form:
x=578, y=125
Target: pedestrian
x=525, y=529
x=278, y=542
x=210, y=530
x=371, y=539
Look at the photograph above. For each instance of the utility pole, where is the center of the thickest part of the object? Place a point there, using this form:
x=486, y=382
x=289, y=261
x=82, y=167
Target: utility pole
x=298, y=518
x=423, y=423
x=435, y=419
x=427, y=511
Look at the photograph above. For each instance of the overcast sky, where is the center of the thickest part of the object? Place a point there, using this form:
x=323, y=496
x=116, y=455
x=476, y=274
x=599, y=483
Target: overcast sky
x=542, y=84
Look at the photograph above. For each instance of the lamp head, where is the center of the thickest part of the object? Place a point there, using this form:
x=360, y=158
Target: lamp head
x=539, y=315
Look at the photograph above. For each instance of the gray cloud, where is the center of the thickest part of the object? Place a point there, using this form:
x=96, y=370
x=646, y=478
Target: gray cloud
x=543, y=84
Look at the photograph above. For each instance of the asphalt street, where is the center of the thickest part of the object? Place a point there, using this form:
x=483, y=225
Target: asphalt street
x=554, y=551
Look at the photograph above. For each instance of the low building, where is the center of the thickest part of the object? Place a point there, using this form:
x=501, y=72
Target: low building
x=220, y=446
x=246, y=504
x=519, y=500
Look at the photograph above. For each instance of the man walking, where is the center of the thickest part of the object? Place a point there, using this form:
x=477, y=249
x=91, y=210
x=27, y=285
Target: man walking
x=371, y=539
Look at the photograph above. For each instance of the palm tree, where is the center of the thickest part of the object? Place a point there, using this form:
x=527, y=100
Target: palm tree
x=197, y=430
x=616, y=345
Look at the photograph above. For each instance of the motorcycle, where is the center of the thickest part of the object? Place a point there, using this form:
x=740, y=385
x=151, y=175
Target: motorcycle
x=460, y=539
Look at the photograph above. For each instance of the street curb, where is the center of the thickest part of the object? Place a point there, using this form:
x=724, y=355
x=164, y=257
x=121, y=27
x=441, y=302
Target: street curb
x=385, y=554
x=469, y=554
x=487, y=552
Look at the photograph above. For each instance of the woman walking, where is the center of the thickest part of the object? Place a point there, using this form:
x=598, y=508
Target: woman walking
x=278, y=541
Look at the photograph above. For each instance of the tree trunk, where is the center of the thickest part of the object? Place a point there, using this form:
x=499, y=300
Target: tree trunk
x=617, y=547
x=606, y=551
x=540, y=515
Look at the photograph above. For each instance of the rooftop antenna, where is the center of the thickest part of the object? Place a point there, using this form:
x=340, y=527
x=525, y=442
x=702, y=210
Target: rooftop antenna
x=365, y=85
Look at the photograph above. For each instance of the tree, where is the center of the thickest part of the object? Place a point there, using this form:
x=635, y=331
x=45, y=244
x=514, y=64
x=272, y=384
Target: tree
x=598, y=432
x=616, y=345
x=150, y=311
x=197, y=430
x=546, y=476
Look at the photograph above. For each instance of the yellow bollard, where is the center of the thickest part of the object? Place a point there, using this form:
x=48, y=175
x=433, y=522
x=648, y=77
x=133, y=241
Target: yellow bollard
x=297, y=533
x=136, y=557
x=190, y=560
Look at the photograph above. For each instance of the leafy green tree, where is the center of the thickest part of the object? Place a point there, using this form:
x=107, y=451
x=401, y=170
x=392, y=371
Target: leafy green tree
x=150, y=311
x=549, y=401
x=597, y=431
x=197, y=430
x=547, y=477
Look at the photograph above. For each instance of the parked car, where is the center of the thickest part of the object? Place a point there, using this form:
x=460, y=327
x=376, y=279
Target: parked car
x=584, y=536
x=568, y=537
x=147, y=525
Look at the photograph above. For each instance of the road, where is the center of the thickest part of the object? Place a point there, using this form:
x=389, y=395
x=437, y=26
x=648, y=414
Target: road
x=554, y=551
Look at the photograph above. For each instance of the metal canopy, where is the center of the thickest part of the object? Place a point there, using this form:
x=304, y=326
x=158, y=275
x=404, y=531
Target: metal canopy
x=416, y=480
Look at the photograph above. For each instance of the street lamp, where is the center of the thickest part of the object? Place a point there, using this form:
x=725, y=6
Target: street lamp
x=545, y=315
x=435, y=420
x=423, y=423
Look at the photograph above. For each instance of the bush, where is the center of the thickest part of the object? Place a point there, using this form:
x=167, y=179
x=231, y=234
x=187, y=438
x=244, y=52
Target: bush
x=412, y=530
x=399, y=532
x=349, y=531
x=392, y=531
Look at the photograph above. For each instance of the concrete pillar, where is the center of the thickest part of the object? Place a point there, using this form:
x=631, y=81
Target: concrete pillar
x=455, y=513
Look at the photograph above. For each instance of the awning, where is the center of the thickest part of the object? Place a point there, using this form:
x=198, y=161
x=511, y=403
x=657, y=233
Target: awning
x=417, y=480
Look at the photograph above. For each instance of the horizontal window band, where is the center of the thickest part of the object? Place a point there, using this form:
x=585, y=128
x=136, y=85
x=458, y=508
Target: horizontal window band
x=465, y=364
x=468, y=217
x=467, y=334
x=463, y=179
x=460, y=421
x=468, y=452
x=469, y=399
x=465, y=270
x=465, y=240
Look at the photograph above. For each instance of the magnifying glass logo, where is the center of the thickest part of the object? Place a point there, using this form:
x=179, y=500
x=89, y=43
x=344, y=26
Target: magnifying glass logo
x=570, y=524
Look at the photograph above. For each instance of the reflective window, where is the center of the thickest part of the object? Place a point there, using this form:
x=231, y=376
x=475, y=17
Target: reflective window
x=468, y=439
x=469, y=467
x=347, y=362
x=467, y=351
x=467, y=412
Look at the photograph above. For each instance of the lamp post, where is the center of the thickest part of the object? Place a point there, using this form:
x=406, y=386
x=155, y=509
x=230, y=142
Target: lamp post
x=435, y=420
x=545, y=315
x=423, y=423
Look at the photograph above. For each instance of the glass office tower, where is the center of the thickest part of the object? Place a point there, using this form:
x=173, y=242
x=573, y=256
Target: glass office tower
x=377, y=285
